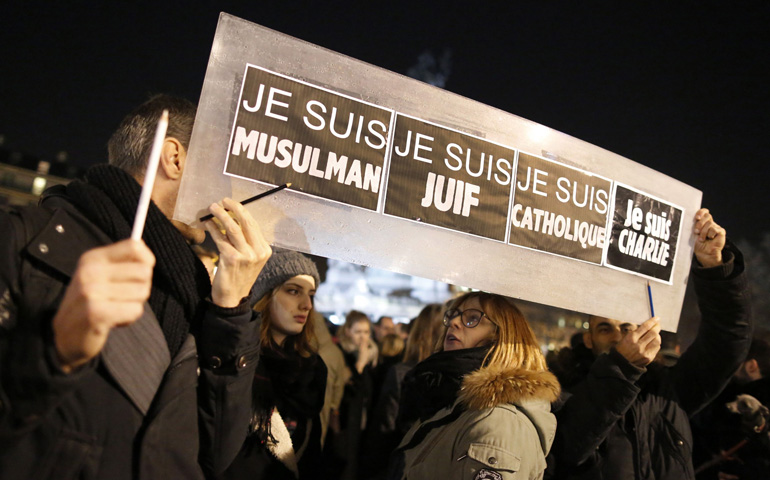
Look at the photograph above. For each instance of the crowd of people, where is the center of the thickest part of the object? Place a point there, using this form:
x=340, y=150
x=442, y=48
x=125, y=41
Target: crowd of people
x=126, y=359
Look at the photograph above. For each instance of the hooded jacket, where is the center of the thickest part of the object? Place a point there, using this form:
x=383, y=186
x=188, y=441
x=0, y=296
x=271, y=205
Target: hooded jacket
x=500, y=427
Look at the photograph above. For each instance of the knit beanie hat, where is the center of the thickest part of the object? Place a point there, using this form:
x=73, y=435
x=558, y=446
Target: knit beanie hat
x=283, y=265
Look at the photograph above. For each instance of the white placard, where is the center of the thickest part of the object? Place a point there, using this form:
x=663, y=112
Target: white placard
x=352, y=138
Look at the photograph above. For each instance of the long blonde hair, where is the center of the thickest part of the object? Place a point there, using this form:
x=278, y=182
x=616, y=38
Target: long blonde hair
x=423, y=334
x=514, y=344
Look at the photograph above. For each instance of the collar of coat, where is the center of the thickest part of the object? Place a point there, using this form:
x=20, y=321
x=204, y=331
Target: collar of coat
x=282, y=448
x=491, y=386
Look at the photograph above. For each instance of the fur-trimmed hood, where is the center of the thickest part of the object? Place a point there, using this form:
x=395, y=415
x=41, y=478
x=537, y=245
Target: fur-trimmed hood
x=531, y=392
x=492, y=386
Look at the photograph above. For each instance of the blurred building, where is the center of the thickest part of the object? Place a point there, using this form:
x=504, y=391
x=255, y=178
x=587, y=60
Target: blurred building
x=23, y=177
x=375, y=292
x=379, y=293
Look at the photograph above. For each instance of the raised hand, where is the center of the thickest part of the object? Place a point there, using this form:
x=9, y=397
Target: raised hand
x=642, y=345
x=710, y=239
x=243, y=252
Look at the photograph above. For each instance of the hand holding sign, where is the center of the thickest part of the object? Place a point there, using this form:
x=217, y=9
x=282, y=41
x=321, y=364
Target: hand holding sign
x=243, y=252
x=710, y=239
x=642, y=345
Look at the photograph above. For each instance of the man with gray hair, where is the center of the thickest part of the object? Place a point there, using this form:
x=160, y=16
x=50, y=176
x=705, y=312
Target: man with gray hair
x=123, y=359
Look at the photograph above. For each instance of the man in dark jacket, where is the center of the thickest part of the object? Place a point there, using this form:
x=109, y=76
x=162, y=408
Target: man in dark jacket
x=628, y=418
x=121, y=359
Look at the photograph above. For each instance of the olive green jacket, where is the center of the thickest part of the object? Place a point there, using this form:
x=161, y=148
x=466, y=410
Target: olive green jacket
x=504, y=431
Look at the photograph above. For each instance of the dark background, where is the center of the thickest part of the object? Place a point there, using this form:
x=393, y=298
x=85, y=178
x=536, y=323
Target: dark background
x=681, y=87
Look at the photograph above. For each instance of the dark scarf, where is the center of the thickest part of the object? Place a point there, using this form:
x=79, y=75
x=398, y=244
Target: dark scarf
x=434, y=383
x=290, y=382
x=108, y=197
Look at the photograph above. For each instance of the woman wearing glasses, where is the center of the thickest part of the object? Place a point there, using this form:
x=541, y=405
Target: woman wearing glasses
x=481, y=404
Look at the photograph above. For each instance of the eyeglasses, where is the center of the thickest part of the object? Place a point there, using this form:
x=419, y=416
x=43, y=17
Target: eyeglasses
x=470, y=317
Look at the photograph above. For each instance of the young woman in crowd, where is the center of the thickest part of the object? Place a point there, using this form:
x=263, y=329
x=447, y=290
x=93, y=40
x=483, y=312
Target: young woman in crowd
x=360, y=353
x=289, y=385
x=481, y=405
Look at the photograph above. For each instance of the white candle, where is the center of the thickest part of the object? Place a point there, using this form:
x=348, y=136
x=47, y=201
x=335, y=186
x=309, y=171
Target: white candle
x=149, y=177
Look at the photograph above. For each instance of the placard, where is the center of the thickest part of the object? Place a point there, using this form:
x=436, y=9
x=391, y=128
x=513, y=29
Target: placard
x=325, y=144
x=478, y=235
x=559, y=209
x=645, y=233
x=449, y=179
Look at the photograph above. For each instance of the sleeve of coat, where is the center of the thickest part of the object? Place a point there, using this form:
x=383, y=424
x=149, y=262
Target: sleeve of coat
x=31, y=382
x=386, y=409
x=228, y=349
x=724, y=334
x=338, y=387
x=592, y=409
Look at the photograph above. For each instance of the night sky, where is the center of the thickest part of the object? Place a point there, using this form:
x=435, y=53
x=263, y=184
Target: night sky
x=681, y=86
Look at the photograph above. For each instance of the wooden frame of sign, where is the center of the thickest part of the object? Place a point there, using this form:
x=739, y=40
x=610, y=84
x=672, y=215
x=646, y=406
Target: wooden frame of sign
x=392, y=173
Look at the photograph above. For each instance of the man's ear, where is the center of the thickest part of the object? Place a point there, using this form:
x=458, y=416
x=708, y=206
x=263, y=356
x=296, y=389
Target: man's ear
x=172, y=158
x=587, y=340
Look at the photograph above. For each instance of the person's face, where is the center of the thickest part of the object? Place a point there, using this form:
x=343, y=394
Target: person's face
x=458, y=336
x=605, y=333
x=401, y=331
x=360, y=333
x=386, y=327
x=290, y=307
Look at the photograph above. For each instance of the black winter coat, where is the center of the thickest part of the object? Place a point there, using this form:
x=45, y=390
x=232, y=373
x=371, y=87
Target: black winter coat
x=107, y=420
x=354, y=412
x=622, y=422
x=295, y=427
x=382, y=435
